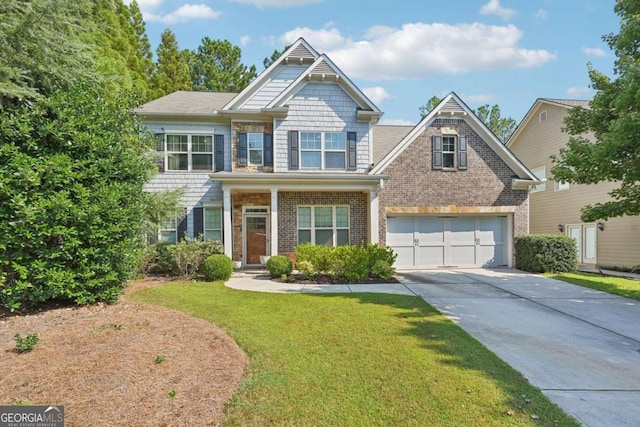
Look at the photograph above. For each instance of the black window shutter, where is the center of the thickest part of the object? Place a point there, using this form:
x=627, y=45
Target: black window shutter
x=242, y=149
x=160, y=150
x=268, y=149
x=293, y=150
x=462, y=152
x=218, y=152
x=352, y=158
x=198, y=222
x=437, y=151
x=182, y=227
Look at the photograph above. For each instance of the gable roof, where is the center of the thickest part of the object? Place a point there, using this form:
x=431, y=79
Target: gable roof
x=453, y=106
x=385, y=137
x=563, y=103
x=185, y=103
x=318, y=68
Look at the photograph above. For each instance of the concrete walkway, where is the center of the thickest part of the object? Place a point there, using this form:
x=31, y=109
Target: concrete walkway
x=580, y=346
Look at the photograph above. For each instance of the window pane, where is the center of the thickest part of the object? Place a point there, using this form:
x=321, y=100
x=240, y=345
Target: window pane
x=324, y=237
x=177, y=143
x=212, y=235
x=311, y=159
x=304, y=236
x=201, y=144
x=448, y=143
x=343, y=237
x=168, y=236
x=448, y=160
x=213, y=219
x=334, y=160
x=342, y=217
x=324, y=217
x=178, y=162
x=335, y=141
x=202, y=162
x=304, y=217
x=310, y=140
x=255, y=157
x=255, y=141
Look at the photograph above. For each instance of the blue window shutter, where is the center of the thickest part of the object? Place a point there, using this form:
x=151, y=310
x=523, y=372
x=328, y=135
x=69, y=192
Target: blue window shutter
x=437, y=151
x=242, y=149
x=218, y=152
x=462, y=152
x=182, y=227
x=293, y=150
x=198, y=222
x=352, y=158
x=268, y=149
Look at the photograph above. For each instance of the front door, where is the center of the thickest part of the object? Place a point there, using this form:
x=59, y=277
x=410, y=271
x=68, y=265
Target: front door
x=256, y=238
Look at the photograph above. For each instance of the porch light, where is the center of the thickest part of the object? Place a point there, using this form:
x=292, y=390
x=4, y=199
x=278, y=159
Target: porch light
x=560, y=228
x=600, y=225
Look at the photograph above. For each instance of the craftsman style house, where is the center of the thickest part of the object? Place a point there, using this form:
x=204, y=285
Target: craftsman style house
x=293, y=158
x=555, y=206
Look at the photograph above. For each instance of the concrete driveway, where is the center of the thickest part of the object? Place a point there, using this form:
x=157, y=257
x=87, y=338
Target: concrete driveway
x=580, y=346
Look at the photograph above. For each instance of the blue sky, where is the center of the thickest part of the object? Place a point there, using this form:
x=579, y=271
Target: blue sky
x=401, y=53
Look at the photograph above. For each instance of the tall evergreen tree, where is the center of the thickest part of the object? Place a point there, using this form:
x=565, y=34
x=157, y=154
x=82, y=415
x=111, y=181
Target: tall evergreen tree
x=172, y=68
x=216, y=67
x=274, y=56
x=614, y=121
x=141, y=43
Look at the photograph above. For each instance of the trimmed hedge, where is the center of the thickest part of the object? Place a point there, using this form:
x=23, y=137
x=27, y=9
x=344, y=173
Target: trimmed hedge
x=279, y=265
x=217, y=267
x=546, y=253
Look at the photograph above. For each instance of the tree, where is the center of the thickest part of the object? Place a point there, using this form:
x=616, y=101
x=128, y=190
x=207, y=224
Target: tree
x=216, y=67
x=72, y=167
x=268, y=61
x=41, y=48
x=141, y=46
x=614, y=121
x=502, y=127
x=172, y=70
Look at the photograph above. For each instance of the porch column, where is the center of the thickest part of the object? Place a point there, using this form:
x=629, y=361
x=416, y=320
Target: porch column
x=226, y=218
x=374, y=222
x=274, y=221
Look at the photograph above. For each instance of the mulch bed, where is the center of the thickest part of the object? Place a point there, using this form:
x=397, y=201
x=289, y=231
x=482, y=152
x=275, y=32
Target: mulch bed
x=327, y=280
x=100, y=362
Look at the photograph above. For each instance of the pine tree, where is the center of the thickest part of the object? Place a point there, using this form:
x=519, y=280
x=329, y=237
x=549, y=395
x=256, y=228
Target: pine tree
x=217, y=67
x=172, y=68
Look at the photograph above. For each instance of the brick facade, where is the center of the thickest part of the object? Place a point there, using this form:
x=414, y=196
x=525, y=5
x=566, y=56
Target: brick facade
x=415, y=184
x=287, y=215
x=248, y=127
x=237, y=202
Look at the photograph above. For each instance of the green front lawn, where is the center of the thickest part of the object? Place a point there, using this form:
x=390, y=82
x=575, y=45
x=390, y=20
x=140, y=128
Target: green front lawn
x=613, y=285
x=358, y=360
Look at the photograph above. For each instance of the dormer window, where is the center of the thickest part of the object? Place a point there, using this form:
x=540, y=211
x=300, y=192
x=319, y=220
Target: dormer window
x=449, y=152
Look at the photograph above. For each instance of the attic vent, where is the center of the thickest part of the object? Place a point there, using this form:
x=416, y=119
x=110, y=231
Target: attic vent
x=301, y=52
x=542, y=117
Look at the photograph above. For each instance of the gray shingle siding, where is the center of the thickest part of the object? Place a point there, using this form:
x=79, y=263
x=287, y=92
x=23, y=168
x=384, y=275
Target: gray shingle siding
x=321, y=107
x=273, y=88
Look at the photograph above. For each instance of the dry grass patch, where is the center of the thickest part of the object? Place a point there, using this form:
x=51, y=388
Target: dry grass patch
x=121, y=364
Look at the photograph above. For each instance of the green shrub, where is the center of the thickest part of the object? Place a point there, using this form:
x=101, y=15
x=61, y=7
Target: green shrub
x=317, y=255
x=306, y=269
x=382, y=269
x=349, y=264
x=278, y=265
x=157, y=259
x=546, y=253
x=217, y=267
x=378, y=253
x=26, y=344
x=189, y=254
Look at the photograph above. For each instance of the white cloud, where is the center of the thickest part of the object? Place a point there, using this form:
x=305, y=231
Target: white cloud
x=579, y=91
x=494, y=8
x=397, y=122
x=594, y=51
x=541, y=14
x=376, y=94
x=244, y=40
x=184, y=13
x=420, y=50
x=277, y=3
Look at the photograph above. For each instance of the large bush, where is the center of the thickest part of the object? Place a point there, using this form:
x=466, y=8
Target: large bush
x=217, y=267
x=72, y=169
x=279, y=265
x=157, y=259
x=546, y=253
x=189, y=254
x=345, y=263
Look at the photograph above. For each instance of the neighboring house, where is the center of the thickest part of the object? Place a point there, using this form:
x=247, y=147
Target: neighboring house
x=297, y=157
x=455, y=196
x=555, y=206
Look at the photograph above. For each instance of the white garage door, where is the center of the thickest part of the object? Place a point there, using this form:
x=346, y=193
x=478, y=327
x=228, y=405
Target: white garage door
x=448, y=241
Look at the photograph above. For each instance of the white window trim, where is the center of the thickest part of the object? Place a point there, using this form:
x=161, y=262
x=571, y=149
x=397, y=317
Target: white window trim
x=174, y=230
x=454, y=152
x=333, y=227
x=323, y=151
x=561, y=186
x=189, y=151
x=249, y=149
x=204, y=225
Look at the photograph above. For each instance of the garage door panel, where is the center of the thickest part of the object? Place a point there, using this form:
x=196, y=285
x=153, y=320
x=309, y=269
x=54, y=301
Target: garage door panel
x=492, y=256
x=400, y=231
x=463, y=255
x=405, y=256
x=491, y=230
x=430, y=230
x=463, y=230
x=430, y=256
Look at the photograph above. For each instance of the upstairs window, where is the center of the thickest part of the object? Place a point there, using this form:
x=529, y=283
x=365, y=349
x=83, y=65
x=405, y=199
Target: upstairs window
x=323, y=150
x=256, y=145
x=186, y=152
x=449, y=152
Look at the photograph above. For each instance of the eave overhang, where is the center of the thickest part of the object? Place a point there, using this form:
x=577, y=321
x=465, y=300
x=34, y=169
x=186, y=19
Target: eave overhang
x=524, y=184
x=296, y=181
